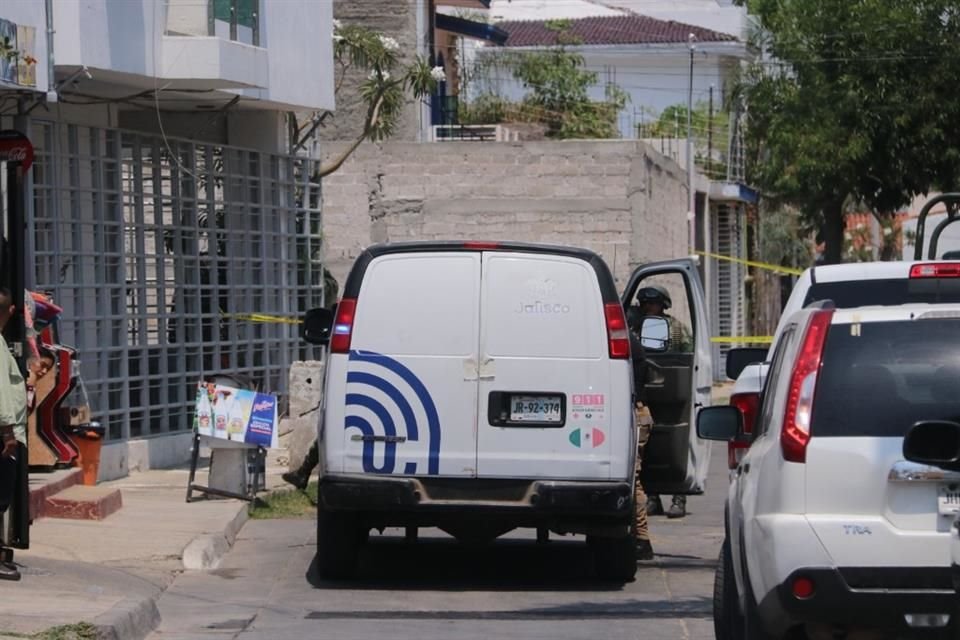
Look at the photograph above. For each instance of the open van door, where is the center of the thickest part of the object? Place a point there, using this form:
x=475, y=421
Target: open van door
x=679, y=376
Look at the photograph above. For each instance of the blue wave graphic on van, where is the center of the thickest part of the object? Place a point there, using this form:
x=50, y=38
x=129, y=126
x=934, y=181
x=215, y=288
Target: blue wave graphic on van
x=387, y=431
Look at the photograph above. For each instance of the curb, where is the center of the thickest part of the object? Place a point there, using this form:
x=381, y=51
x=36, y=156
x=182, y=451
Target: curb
x=207, y=550
x=130, y=619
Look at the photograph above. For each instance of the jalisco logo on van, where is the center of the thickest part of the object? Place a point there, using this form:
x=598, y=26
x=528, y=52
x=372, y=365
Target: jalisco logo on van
x=384, y=432
x=543, y=308
x=543, y=292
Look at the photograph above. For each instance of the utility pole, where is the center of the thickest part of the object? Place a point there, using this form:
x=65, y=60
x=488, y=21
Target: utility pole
x=710, y=136
x=691, y=191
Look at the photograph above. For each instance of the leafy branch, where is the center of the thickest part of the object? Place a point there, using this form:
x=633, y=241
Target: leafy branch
x=389, y=81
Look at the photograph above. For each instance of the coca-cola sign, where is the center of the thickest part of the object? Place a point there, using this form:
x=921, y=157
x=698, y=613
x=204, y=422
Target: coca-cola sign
x=16, y=147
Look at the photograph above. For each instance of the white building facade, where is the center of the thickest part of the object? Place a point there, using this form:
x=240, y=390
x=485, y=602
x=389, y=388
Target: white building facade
x=166, y=204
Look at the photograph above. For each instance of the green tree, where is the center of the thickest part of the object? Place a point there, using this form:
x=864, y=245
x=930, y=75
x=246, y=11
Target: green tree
x=559, y=86
x=709, y=133
x=386, y=90
x=559, y=90
x=854, y=102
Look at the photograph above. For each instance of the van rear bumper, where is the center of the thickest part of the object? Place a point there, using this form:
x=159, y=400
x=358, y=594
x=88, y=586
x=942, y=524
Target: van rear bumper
x=427, y=495
x=860, y=597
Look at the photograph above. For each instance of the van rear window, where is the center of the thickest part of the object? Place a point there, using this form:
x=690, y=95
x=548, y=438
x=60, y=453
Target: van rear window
x=895, y=291
x=879, y=378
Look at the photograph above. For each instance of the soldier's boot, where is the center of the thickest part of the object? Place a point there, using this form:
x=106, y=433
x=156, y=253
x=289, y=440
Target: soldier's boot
x=679, y=507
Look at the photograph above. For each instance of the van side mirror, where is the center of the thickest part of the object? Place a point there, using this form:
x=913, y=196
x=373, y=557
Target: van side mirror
x=317, y=326
x=934, y=442
x=720, y=423
x=740, y=358
x=654, y=333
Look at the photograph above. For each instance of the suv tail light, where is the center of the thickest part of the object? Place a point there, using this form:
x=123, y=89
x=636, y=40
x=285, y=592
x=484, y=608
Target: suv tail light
x=749, y=406
x=803, y=588
x=617, y=336
x=803, y=382
x=480, y=245
x=343, y=326
x=936, y=270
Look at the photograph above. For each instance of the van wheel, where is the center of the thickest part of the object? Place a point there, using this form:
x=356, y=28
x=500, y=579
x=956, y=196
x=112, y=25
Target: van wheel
x=338, y=544
x=727, y=620
x=615, y=559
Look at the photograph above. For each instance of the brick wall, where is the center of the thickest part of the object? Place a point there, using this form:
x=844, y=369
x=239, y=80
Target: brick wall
x=619, y=198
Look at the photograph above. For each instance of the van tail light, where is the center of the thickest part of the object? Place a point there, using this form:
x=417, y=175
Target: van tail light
x=343, y=326
x=749, y=406
x=617, y=336
x=803, y=382
x=936, y=270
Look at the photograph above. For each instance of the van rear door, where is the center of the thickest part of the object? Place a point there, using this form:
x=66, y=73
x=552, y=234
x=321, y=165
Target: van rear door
x=552, y=402
x=679, y=382
x=410, y=388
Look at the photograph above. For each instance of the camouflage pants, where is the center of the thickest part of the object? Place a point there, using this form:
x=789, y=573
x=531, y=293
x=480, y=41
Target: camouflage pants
x=644, y=423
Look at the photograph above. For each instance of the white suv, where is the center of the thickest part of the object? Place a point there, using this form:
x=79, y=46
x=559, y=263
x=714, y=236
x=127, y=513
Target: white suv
x=854, y=285
x=846, y=285
x=828, y=528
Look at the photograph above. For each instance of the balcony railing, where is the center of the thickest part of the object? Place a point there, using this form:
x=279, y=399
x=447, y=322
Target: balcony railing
x=235, y=20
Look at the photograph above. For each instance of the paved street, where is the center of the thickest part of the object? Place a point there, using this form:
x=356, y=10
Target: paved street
x=438, y=589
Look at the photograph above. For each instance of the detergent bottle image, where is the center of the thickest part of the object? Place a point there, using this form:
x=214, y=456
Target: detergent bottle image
x=237, y=420
x=220, y=414
x=204, y=411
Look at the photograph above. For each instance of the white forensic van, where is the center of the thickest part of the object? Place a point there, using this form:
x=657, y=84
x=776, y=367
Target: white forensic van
x=480, y=387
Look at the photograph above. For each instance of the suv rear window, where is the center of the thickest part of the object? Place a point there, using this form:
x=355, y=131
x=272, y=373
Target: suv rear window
x=895, y=291
x=879, y=378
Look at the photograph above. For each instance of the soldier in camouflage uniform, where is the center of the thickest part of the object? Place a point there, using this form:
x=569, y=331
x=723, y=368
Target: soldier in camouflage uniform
x=644, y=422
x=654, y=301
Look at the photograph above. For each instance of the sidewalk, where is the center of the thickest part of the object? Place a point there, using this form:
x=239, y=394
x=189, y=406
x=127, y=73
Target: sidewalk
x=111, y=572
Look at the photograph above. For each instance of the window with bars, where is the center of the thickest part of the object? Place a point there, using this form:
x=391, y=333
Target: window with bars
x=729, y=308
x=154, y=248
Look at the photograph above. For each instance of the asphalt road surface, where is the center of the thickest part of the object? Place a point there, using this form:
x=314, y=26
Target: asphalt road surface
x=436, y=589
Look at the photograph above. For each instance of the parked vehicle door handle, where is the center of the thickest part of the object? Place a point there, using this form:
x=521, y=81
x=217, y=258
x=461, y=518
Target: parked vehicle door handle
x=744, y=468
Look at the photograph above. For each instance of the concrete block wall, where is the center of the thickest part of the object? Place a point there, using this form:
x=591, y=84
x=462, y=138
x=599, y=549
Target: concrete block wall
x=621, y=199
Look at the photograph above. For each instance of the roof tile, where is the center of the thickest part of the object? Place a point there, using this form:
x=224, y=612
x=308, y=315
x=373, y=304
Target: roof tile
x=609, y=30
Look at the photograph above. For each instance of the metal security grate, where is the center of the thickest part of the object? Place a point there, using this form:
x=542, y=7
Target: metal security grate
x=728, y=312
x=152, y=248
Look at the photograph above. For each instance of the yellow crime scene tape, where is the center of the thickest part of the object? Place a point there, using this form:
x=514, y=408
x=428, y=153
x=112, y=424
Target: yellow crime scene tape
x=262, y=317
x=266, y=318
x=752, y=263
x=742, y=339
